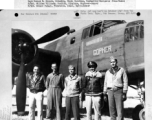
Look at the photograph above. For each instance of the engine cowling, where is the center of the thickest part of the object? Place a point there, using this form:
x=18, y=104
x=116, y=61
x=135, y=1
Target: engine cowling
x=32, y=54
x=23, y=39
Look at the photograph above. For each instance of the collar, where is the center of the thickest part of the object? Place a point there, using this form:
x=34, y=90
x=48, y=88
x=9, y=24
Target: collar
x=73, y=77
x=93, y=74
x=39, y=74
x=57, y=73
x=112, y=71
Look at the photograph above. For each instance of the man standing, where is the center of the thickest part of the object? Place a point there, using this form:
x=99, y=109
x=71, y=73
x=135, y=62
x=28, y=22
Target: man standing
x=116, y=84
x=54, y=85
x=93, y=86
x=36, y=81
x=73, y=88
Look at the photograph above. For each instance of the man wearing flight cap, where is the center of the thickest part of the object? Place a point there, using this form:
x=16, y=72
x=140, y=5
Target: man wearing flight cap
x=116, y=85
x=93, y=87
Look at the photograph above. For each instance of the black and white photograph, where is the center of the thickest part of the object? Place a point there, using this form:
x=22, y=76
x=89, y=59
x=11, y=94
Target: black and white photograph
x=78, y=69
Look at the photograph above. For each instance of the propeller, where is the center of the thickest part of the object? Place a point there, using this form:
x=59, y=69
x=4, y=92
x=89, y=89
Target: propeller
x=24, y=50
x=21, y=88
x=52, y=35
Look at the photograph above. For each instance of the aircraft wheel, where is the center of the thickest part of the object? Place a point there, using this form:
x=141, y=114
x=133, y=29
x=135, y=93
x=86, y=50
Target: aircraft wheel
x=138, y=113
x=142, y=114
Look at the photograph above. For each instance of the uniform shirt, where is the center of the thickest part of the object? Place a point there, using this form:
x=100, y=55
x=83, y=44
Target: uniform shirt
x=73, y=85
x=117, y=79
x=55, y=80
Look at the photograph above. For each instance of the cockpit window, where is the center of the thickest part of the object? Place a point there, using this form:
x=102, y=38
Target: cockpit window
x=92, y=31
x=99, y=28
x=86, y=32
x=109, y=23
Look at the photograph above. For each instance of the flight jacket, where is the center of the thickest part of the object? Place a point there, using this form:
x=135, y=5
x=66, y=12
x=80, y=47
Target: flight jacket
x=93, y=83
x=36, y=84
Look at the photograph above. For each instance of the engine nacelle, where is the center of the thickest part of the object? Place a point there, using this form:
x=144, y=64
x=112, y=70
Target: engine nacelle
x=23, y=40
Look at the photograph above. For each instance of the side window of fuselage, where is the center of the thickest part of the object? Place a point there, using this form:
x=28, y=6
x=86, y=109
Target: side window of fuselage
x=135, y=32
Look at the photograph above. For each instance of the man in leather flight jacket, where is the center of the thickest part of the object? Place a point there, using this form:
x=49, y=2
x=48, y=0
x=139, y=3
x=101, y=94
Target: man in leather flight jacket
x=93, y=86
x=36, y=84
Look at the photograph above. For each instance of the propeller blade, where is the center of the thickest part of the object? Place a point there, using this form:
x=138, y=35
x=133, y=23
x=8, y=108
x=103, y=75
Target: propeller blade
x=52, y=35
x=21, y=88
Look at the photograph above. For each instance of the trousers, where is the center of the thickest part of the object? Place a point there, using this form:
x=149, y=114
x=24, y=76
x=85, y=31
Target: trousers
x=96, y=101
x=72, y=102
x=115, y=104
x=36, y=100
x=54, y=102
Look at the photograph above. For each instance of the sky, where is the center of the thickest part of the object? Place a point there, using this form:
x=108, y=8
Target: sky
x=39, y=28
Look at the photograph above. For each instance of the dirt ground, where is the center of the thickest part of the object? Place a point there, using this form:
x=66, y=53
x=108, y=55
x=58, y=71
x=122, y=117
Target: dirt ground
x=129, y=104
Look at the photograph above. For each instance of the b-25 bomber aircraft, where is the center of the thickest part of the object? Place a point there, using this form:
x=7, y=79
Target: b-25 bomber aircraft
x=95, y=42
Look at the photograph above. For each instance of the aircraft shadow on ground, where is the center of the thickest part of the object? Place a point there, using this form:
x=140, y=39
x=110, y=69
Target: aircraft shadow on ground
x=127, y=112
x=105, y=112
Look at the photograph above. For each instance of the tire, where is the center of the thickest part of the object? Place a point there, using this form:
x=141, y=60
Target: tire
x=142, y=114
x=138, y=113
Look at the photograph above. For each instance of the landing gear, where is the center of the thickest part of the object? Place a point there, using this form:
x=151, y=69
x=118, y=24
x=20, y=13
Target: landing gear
x=142, y=114
x=138, y=113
